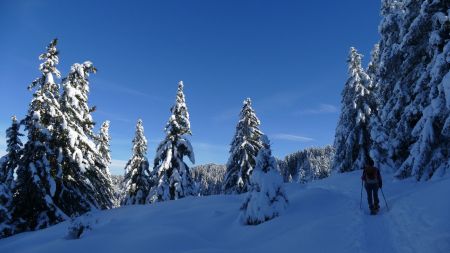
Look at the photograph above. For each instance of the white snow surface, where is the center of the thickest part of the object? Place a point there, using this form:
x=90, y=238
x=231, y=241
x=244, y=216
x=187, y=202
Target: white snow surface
x=322, y=216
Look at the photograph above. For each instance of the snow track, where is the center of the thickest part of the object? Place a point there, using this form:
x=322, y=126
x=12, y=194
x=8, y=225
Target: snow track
x=378, y=236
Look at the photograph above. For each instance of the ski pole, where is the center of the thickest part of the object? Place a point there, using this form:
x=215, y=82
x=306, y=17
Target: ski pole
x=384, y=199
x=360, y=199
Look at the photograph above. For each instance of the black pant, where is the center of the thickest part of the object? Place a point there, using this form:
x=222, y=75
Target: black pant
x=372, y=195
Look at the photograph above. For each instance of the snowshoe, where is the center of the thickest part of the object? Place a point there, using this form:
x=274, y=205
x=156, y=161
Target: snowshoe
x=373, y=212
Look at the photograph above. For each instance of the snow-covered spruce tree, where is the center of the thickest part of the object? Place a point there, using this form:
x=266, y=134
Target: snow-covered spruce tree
x=102, y=175
x=5, y=210
x=392, y=28
x=426, y=121
x=352, y=140
x=377, y=132
x=395, y=77
x=78, y=153
x=412, y=78
x=10, y=161
x=103, y=146
x=119, y=191
x=35, y=187
x=284, y=170
x=266, y=198
x=372, y=68
x=8, y=165
x=137, y=175
x=171, y=174
x=244, y=148
x=372, y=73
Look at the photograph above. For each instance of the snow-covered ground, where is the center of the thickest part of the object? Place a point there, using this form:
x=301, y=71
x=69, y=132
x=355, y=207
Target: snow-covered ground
x=323, y=216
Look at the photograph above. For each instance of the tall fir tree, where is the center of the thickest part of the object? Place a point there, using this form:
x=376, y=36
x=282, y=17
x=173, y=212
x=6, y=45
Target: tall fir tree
x=266, y=198
x=244, y=148
x=425, y=119
x=78, y=152
x=5, y=210
x=33, y=205
x=387, y=148
x=171, y=174
x=102, y=176
x=412, y=77
x=392, y=30
x=103, y=146
x=396, y=91
x=8, y=165
x=377, y=132
x=137, y=175
x=10, y=161
x=372, y=68
x=352, y=140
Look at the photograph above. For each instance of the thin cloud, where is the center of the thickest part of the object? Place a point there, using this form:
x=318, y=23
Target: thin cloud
x=321, y=109
x=291, y=137
x=111, y=86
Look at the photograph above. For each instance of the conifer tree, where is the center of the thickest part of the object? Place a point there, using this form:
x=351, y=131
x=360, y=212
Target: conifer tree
x=426, y=47
x=377, y=132
x=392, y=29
x=412, y=76
x=5, y=210
x=8, y=165
x=77, y=150
x=100, y=178
x=244, y=148
x=396, y=78
x=33, y=205
x=266, y=198
x=372, y=68
x=11, y=160
x=352, y=140
x=171, y=174
x=103, y=146
x=137, y=175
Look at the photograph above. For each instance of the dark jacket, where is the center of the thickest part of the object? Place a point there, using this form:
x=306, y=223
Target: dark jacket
x=380, y=180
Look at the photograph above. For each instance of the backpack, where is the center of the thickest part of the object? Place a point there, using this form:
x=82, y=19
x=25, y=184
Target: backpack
x=371, y=175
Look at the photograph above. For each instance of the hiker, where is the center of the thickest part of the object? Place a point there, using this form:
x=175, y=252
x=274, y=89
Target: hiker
x=372, y=181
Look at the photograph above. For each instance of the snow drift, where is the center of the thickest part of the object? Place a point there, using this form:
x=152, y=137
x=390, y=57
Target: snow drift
x=323, y=216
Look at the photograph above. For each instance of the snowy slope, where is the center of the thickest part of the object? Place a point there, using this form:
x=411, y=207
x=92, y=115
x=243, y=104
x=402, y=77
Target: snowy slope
x=323, y=216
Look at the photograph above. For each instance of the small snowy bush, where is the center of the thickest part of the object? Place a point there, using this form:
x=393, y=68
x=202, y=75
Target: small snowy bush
x=266, y=198
x=79, y=226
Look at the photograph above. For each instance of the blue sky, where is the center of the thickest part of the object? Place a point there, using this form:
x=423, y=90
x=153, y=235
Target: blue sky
x=288, y=56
